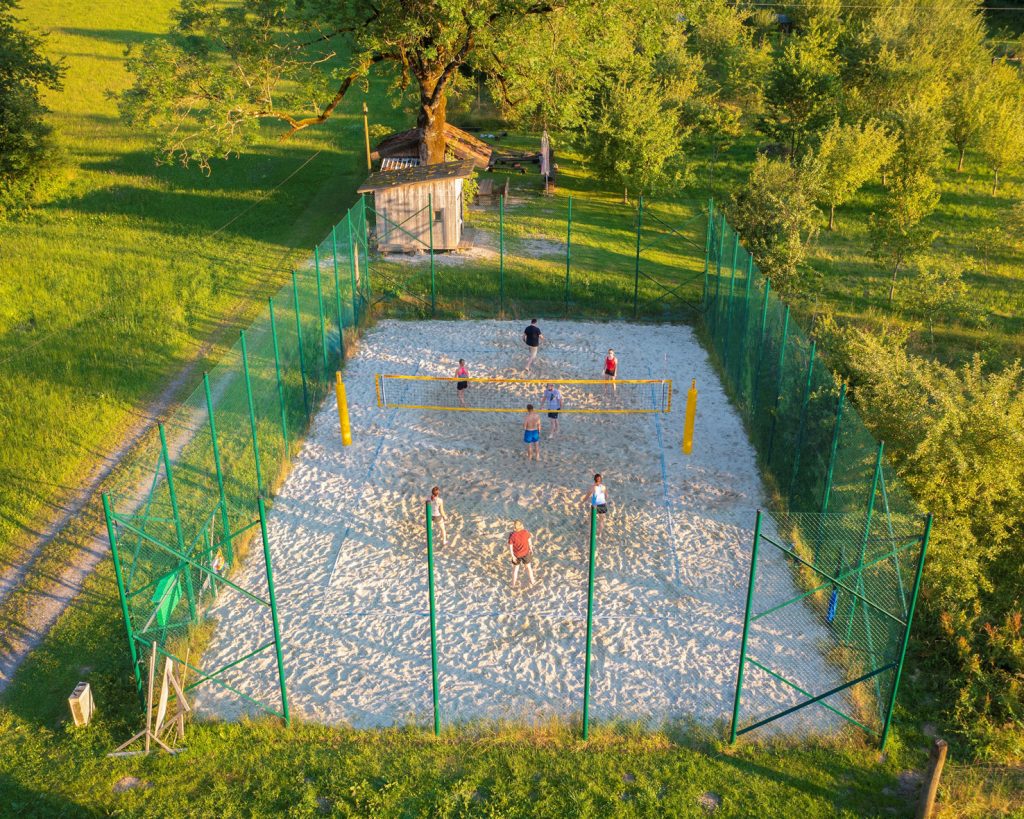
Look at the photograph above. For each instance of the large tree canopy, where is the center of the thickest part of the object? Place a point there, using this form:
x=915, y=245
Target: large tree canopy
x=226, y=69
x=24, y=147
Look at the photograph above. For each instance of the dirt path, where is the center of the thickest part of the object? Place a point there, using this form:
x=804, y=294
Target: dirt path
x=29, y=609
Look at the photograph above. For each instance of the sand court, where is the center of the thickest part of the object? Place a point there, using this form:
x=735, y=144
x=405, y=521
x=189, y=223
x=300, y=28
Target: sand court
x=348, y=544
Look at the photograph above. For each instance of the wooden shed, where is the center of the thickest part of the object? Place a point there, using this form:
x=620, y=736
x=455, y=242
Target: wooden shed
x=406, y=200
x=407, y=145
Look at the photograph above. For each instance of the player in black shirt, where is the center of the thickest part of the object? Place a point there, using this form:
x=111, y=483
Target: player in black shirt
x=532, y=336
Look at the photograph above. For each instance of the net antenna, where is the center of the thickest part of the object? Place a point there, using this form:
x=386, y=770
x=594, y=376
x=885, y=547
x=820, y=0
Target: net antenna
x=425, y=392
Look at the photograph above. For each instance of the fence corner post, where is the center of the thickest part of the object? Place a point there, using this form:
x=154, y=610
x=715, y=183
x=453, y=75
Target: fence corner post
x=746, y=629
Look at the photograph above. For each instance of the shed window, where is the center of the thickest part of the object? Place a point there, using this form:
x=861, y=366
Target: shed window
x=439, y=215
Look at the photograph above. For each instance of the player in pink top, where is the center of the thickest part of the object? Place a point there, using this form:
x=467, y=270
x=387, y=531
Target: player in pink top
x=611, y=368
x=460, y=388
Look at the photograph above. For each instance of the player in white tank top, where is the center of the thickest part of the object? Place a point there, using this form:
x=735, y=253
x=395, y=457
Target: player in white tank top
x=597, y=497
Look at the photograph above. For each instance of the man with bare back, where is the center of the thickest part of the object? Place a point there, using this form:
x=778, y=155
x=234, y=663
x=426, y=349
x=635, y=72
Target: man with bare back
x=531, y=434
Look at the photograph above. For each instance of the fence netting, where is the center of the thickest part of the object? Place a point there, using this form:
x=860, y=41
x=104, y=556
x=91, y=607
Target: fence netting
x=845, y=527
x=831, y=598
x=565, y=257
x=185, y=509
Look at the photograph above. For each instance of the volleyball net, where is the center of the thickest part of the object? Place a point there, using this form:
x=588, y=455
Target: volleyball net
x=512, y=395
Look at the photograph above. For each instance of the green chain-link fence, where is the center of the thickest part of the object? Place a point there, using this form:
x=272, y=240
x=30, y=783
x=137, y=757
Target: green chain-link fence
x=847, y=529
x=563, y=257
x=186, y=507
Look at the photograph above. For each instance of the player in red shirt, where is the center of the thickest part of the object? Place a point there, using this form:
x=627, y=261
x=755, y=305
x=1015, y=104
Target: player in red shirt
x=611, y=368
x=519, y=548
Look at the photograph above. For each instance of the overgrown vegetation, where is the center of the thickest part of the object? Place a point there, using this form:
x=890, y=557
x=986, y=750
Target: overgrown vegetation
x=918, y=312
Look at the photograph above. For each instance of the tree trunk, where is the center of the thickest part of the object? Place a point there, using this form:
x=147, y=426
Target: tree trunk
x=960, y=164
x=831, y=217
x=892, y=286
x=995, y=182
x=431, y=121
x=625, y=196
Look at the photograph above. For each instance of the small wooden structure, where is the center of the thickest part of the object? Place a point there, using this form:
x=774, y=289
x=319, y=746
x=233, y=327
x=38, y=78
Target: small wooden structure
x=411, y=203
x=489, y=192
x=407, y=146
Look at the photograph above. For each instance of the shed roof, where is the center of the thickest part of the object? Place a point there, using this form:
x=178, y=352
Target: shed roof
x=441, y=171
x=457, y=141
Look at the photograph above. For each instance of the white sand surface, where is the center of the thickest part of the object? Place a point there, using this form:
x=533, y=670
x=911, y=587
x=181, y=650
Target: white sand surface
x=350, y=567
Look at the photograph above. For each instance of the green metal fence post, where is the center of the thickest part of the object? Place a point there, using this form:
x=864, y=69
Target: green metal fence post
x=179, y=534
x=280, y=382
x=225, y=521
x=252, y=414
x=866, y=536
x=906, y=633
x=368, y=278
x=803, y=422
x=352, y=259
x=778, y=384
x=501, y=256
x=568, y=254
x=728, y=309
x=760, y=348
x=707, y=251
x=273, y=609
x=433, y=623
x=337, y=294
x=112, y=536
x=590, y=621
x=830, y=470
x=718, y=278
x=320, y=307
x=834, y=449
x=430, y=228
x=298, y=332
x=337, y=287
x=742, y=352
x=746, y=629
x=721, y=248
x=636, y=272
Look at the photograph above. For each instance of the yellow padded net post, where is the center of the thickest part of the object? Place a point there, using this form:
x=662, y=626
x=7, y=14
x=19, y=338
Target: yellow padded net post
x=346, y=427
x=574, y=395
x=691, y=417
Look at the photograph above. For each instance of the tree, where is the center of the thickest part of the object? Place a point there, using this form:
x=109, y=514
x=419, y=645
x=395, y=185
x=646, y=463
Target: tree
x=634, y=138
x=966, y=109
x=1002, y=135
x=25, y=149
x=228, y=67
x=939, y=293
x=849, y=155
x=634, y=134
x=897, y=234
x=776, y=216
x=802, y=95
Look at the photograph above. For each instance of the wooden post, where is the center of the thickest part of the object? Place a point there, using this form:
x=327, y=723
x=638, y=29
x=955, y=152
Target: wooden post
x=366, y=134
x=936, y=760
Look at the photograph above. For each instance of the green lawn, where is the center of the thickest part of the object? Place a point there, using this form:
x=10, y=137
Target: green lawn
x=974, y=237
x=525, y=262
x=111, y=287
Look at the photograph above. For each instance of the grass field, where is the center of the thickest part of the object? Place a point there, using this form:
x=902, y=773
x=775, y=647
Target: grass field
x=114, y=284
x=977, y=236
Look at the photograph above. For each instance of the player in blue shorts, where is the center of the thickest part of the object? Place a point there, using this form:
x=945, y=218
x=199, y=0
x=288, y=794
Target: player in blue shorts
x=531, y=434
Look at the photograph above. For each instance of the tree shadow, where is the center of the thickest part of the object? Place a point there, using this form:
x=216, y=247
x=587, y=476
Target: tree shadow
x=113, y=35
x=27, y=802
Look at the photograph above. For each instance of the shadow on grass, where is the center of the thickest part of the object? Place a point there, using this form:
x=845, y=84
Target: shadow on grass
x=113, y=35
x=26, y=802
